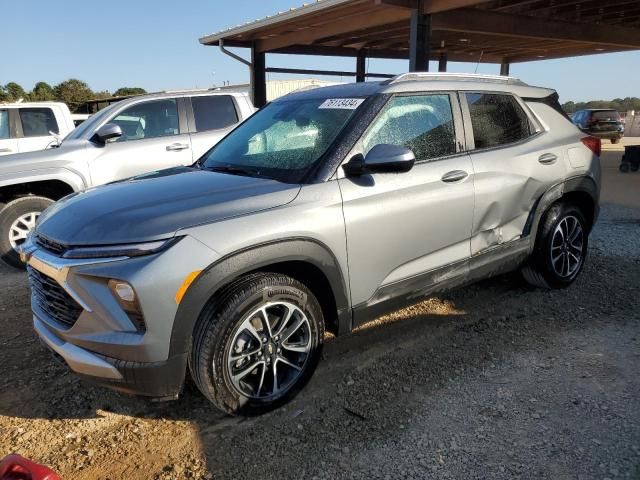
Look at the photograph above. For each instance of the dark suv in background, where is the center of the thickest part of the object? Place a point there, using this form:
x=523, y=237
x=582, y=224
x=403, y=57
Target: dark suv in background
x=602, y=123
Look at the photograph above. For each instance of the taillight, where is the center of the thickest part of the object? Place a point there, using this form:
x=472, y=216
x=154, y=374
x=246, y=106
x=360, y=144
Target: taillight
x=592, y=143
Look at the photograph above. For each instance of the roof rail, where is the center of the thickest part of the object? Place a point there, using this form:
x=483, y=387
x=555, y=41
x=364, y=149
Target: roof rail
x=406, y=77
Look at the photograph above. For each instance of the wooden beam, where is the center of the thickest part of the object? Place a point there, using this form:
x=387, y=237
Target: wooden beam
x=376, y=17
x=430, y=6
x=419, y=40
x=519, y=26
x=258, y=79
x=361, y=66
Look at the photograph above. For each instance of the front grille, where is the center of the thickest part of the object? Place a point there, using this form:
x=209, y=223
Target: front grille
x=50, y=245
x=53, y=299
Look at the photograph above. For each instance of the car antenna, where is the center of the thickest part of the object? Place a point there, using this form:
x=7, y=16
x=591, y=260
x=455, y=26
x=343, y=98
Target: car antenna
x=479, y=60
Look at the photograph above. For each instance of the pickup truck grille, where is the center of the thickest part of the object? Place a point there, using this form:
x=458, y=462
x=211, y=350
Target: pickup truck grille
x=51, y=246
x=53, y=299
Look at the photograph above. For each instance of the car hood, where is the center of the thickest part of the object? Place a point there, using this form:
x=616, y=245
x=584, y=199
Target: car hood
x=156, y=205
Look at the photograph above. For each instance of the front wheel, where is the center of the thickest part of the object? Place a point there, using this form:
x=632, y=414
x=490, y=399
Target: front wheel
x=560, y=250
x=257, y=344
x=17, y=219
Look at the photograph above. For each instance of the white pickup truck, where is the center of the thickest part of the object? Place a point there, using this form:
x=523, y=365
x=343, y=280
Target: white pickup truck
x=134, y=136
x=27, y=127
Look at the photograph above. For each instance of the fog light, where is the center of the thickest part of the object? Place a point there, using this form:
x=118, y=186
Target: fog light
x=124, y=291
x=126, y=296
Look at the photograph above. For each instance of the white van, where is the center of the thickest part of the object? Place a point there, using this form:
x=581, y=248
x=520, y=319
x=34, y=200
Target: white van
x=26, y=127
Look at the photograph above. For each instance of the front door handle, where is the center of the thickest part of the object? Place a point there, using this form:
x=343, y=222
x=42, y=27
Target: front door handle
x=5, y=150
x=454, y=176
x=548, y=159
x=177, y=147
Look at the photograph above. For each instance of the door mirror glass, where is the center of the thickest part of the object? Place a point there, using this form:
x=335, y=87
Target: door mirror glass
x=382, y=158
x=107, y=132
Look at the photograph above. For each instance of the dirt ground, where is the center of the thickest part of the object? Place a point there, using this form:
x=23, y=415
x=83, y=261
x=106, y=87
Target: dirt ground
x=491, y=381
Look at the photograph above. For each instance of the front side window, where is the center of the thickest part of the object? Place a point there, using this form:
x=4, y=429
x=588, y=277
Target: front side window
x=38, y=122
x=422, y=123
x=214, y=112
x=4, y=124
x=497, y=119
x=158, y=118
x=283, y=140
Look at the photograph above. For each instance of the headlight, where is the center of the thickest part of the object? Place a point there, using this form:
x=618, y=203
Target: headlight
x=126, y=250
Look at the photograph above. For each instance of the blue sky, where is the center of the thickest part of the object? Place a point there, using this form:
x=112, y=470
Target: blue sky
x=154, y=45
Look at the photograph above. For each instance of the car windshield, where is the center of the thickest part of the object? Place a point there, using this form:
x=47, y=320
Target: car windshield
x=284, y=140
x=87, y=128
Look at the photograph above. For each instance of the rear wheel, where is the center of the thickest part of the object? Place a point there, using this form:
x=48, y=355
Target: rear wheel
x=17, y=219
x=257, y=344
x=560, y=250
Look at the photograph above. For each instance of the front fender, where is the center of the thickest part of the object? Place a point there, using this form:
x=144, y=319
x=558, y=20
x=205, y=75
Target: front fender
x=72, y=178
x=230, y=267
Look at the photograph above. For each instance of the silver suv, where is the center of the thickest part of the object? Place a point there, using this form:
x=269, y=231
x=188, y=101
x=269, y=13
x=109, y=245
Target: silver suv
x=134, y=136
x=324, y=210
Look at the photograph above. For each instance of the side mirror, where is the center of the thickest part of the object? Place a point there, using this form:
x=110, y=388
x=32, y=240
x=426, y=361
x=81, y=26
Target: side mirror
x=107, y=132
x=382, y=158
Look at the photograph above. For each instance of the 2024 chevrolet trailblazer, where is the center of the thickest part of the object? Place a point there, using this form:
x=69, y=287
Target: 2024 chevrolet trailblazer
x=325, y=209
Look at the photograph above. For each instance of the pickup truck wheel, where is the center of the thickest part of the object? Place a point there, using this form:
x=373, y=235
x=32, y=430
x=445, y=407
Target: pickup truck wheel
x=17, y=219
x=257, y=344
x=560, y=250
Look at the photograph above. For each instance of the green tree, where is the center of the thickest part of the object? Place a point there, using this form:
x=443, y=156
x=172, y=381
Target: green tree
x=102, y=94
x=42, y=92
x=15, y=92
x=125, y=91
x=73, y=92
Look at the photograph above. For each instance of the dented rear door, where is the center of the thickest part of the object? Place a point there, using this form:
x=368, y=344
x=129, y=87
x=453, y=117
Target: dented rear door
x=514, y=161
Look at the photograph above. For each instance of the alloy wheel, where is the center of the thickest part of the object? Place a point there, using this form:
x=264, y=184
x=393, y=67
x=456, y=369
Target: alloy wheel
x=567, y=247
x=269, y=350
x=21, y=228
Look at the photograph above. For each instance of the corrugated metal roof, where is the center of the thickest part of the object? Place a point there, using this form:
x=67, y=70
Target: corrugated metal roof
x=272, y=19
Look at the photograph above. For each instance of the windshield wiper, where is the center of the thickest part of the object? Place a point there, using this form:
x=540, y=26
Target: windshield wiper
x=234, y=170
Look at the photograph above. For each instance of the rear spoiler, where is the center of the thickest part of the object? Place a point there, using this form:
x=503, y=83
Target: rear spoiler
x=552, y=101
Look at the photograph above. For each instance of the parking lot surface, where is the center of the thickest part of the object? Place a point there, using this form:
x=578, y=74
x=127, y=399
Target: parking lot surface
x=494, y=380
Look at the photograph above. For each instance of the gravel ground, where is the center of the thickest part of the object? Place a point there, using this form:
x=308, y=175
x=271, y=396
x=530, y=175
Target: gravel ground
x=491, y=381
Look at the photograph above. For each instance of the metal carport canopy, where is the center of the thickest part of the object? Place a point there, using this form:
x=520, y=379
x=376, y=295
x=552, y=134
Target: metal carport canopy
x=497, y=31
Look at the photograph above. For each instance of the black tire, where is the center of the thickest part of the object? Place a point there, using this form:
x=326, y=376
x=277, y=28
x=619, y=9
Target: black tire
x=217, y=330
x=539, y=270
x=634, y=167
x=624, y=167
x=8, y=215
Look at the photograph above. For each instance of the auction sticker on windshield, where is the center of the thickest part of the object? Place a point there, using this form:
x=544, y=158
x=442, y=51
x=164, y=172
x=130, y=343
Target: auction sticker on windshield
x=342, y=103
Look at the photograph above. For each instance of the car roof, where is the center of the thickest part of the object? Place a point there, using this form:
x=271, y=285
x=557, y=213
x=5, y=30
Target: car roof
x=180, y=93
x=31, y=104
x=424, y=82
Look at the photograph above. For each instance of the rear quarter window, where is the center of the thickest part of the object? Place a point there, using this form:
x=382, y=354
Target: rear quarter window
x=38, y=122
x=214, y=112
x=4, y=124
x=497, y=119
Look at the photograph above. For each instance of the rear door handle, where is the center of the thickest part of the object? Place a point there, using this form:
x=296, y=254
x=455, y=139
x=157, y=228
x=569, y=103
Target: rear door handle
x=5, y=150
x=548, y=159
x=454, y=176
x=176, y=147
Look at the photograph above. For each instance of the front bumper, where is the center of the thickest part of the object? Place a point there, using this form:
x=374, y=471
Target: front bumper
x=103, y=345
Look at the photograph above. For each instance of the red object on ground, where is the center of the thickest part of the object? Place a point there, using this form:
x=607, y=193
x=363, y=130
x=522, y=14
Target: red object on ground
x=15, y=467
